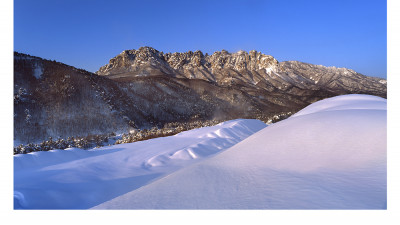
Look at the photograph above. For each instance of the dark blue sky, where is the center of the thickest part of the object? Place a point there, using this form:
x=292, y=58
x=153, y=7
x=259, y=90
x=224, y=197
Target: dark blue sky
x=87, y=33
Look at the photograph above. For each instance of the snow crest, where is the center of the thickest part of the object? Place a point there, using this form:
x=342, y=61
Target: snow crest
x=346, y=102
x=210, y=144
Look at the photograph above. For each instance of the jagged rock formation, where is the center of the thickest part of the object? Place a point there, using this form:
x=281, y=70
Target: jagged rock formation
x=253, y=69
x=220, y=67
x=146, y=88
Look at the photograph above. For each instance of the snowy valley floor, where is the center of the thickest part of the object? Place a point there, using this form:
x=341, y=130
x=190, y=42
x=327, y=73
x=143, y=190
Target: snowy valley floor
x=330, y=155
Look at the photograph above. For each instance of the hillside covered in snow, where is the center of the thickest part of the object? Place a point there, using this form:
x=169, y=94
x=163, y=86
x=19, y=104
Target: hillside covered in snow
x=330, y=155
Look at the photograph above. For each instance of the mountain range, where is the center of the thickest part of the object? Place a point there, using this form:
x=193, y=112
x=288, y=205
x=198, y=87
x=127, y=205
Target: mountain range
x=147, y=88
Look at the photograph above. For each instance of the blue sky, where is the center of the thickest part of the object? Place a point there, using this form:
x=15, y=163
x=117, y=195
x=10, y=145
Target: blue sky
x=87, y=33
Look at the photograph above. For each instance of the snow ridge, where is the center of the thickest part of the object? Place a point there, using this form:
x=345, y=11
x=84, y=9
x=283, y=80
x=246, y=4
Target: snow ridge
x=210, y=143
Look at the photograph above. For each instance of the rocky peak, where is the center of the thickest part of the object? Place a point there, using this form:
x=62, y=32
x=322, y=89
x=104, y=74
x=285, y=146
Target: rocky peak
x=242, y=60
x=143, y=54
x=136, y=61
x=185, y=60
x=187, y=63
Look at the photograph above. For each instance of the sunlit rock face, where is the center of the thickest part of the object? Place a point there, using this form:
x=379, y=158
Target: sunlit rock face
x=245, y=68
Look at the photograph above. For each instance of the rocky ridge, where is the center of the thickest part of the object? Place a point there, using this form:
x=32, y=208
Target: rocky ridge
x=218, y=67
x=246, y=68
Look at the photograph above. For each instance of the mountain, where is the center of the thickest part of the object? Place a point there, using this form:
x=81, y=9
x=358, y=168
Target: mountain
x=253, y=70
x=146, y=88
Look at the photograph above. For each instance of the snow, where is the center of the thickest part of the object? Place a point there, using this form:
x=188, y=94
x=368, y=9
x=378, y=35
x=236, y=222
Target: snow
x=330, y=155
x=331, y=158
x=268, y=70
x=38, y=71
x=348, y=102
x=80, y=179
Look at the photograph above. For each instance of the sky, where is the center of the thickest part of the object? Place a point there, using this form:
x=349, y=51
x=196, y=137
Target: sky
x=87, y=33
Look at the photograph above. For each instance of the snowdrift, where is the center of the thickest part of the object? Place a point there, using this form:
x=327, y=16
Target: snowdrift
x=80, y=179
x=330, y=155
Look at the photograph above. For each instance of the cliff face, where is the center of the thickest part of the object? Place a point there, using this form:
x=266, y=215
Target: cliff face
x=221, y=67
x=252, y=69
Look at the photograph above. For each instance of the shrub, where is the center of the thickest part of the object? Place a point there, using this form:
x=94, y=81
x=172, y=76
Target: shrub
x=91, y=141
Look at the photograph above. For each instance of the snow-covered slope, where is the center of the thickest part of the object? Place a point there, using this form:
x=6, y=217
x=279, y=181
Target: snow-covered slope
x=80, y=179
x=330, y=155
